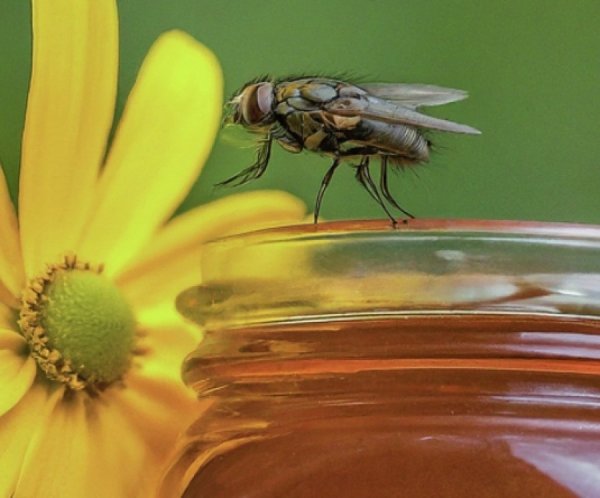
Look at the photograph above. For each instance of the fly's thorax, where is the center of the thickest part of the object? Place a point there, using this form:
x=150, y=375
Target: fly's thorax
x=253, y=106
x=315, y=90
x=307, y=127
x=305, y=94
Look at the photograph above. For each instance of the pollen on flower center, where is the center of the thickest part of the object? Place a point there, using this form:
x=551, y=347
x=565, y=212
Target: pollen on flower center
x=80, y=329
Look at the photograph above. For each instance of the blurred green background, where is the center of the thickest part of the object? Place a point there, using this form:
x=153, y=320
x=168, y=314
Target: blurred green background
x=532, y=69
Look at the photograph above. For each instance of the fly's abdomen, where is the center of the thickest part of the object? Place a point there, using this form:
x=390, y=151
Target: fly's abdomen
x=396, y=139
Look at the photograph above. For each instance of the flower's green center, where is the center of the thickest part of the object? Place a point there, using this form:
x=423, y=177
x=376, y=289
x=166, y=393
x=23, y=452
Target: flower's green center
x=80, y=329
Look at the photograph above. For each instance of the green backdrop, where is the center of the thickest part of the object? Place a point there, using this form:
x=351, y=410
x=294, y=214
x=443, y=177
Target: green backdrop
x=532, y=68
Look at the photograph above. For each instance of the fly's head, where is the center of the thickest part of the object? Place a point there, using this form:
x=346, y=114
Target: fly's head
x=252, y=107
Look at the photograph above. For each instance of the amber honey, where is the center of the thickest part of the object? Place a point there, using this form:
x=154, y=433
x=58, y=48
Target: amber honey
x=487, y=406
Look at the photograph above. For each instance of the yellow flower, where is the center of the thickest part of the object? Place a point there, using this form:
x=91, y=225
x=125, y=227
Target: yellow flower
x=90, y=345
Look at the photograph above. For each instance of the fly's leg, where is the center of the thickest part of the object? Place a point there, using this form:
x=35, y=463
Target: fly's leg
x=257, y=169
x=364, y=177
x=385, y=190
x=324, y=185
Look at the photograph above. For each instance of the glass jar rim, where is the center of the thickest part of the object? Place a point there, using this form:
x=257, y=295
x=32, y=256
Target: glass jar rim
x=365, y=269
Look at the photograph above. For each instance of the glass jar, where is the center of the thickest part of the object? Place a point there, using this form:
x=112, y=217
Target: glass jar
x=438, y=359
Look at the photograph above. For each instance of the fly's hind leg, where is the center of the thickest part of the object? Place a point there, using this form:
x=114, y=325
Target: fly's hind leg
x=324, y=185
x=364, y=177
x=383, y=181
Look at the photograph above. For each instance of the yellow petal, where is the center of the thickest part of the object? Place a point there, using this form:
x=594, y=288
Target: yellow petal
x=166, y=347
x=11, y=265
x=116, y=446
x=163, y=314
x=17, y=369
x=159, y=409
x=8, y=318
x=55, y=462
x=7, y=298
x=171, y=261
x=165, y=135
x=85, y=447
x=69, y=114
x=16, y=428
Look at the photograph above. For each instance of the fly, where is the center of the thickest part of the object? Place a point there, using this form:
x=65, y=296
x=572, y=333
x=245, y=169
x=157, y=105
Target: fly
x=347, y=122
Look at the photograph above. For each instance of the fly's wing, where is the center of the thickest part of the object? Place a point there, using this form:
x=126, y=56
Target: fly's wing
x=389, y=111
x=414, y=95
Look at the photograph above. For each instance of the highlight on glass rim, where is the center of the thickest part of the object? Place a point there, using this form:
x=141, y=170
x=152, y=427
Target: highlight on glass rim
x=174, y=324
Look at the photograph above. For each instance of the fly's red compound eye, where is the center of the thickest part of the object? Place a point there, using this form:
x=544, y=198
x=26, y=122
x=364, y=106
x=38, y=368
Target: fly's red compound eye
x=256, y=103
x=264, y=97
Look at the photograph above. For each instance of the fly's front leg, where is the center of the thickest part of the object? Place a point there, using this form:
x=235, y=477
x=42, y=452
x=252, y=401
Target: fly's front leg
x=286, y=140
x=257, y=169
